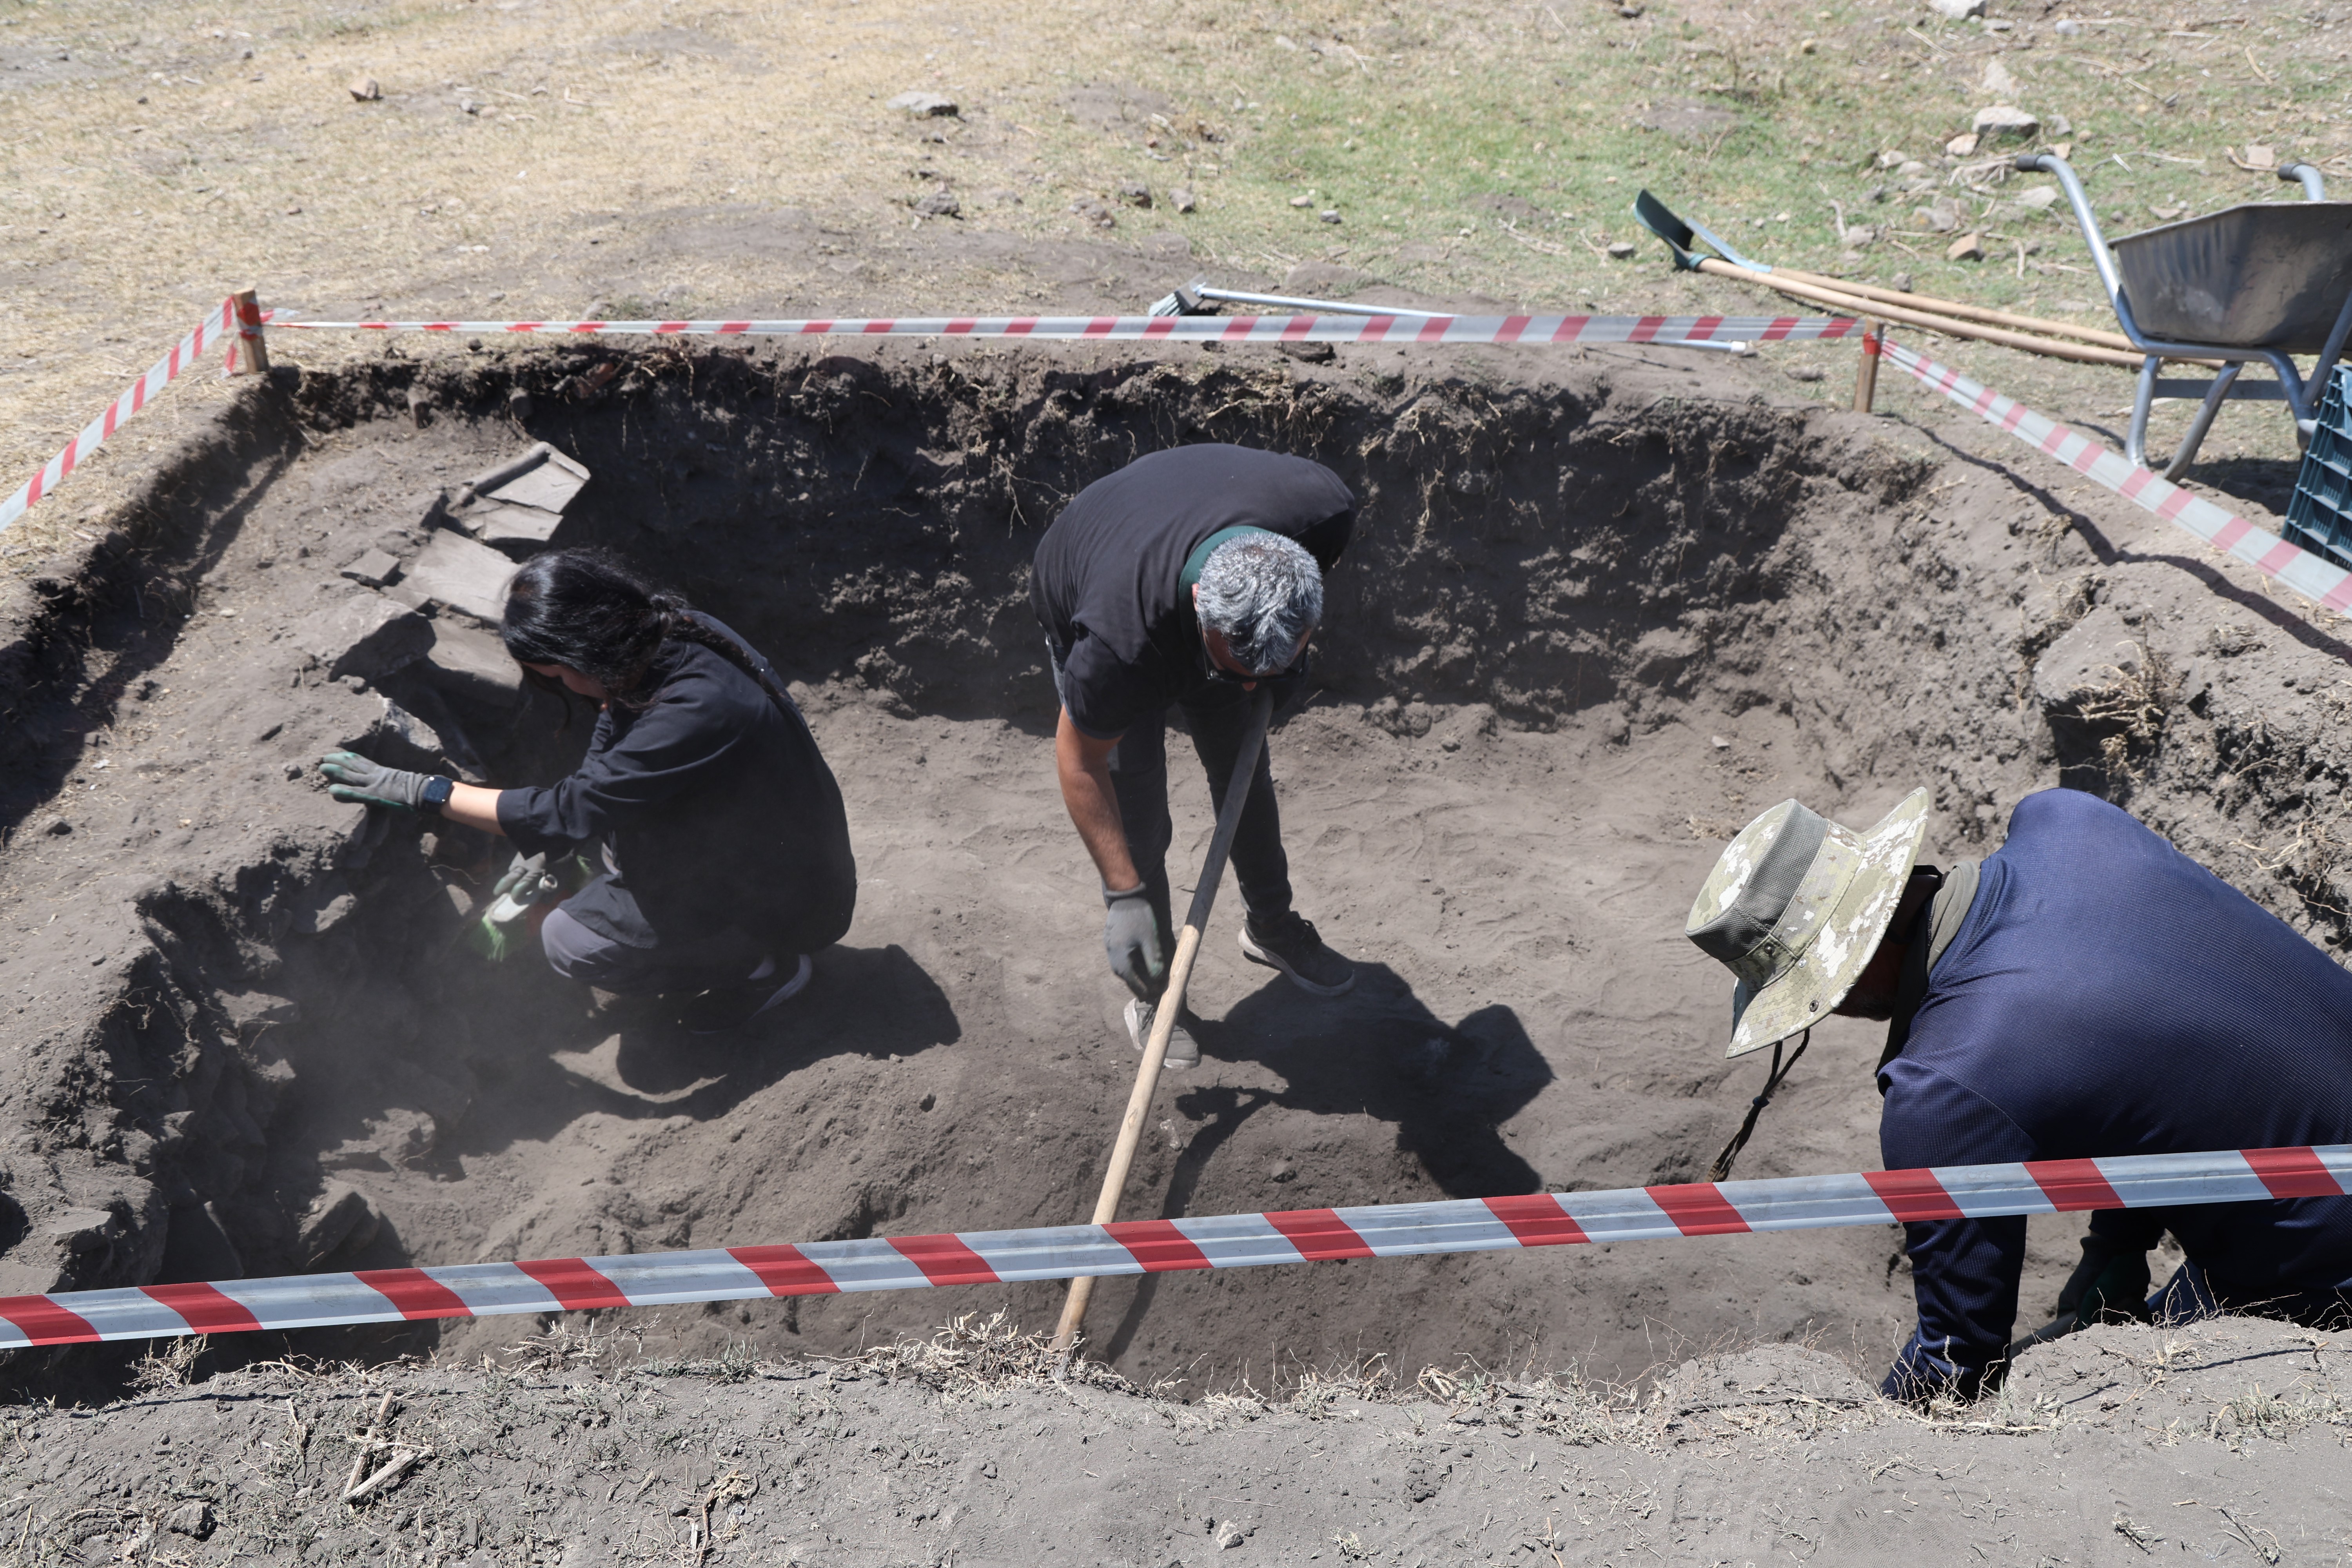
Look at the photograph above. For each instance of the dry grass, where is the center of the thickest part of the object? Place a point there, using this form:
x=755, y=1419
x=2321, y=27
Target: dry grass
x=181, y=148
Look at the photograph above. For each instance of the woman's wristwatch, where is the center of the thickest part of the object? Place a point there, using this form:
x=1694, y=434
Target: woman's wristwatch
x=436, y=793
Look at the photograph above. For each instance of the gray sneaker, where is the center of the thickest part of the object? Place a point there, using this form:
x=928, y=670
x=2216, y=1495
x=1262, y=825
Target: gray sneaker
x=1288, y=942
x=1184, y=1050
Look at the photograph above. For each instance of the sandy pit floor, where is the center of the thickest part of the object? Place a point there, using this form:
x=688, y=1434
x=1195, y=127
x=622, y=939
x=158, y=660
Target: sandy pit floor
x=1597, y=617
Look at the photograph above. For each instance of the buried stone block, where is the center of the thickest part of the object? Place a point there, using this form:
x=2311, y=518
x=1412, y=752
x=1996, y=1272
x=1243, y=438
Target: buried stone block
x=453, y=573
x=473, y=666
x=516, y=505
x=367, y=635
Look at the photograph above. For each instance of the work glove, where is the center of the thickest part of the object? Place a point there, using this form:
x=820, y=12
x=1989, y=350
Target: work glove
x=358, y=781
x=531, y=867
x=2110, y=1284
x=1132, y=939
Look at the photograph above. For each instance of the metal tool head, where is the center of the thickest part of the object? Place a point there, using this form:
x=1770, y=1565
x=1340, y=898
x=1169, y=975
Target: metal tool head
x=1185, y=302
x=1682, y=238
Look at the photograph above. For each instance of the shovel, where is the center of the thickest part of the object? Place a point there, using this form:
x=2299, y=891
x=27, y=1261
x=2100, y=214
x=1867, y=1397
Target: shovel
x=1949, y=317
x=1170, y=1004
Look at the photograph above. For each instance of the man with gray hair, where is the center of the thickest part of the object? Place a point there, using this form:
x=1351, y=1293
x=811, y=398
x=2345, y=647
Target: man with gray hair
x=1184, y=580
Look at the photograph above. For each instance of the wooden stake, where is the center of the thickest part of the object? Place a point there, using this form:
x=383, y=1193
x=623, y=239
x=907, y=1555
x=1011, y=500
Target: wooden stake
x=1170, y=1007
x=1865, y=375
x=253, y=354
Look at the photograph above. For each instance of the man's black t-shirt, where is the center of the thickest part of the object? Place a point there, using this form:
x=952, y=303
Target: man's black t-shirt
x=1105, y=581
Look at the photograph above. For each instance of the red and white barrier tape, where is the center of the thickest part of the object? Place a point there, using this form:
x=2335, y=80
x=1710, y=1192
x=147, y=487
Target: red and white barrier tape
x=2315, y=577
x=221, y=323
x=1140, y=1247
x=1191, y=328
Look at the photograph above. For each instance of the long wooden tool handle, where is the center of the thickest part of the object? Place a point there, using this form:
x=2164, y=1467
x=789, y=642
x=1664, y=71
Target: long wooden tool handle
x=1170, y=1004
x=1956, y=308
x=1944, y=325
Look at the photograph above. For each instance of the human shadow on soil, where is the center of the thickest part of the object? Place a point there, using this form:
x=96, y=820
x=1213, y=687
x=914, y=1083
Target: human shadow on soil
x=870, y=1002
x=1377, y=1051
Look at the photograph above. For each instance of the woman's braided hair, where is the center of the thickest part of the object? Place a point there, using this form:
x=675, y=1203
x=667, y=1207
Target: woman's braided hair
x=589, y=609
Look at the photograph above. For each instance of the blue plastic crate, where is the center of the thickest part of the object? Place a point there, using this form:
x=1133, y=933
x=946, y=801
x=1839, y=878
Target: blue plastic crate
x=2319, y=517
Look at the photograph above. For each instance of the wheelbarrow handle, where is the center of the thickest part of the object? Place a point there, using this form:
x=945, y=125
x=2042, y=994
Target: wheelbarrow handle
x=2315, y=189
x=2050, y=163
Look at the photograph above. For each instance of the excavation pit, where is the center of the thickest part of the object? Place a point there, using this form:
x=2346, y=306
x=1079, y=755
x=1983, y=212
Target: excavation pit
x=1598, y=613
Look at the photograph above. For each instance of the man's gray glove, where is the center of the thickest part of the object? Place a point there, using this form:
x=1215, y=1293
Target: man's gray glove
x=361, y=782
x=1132, y=939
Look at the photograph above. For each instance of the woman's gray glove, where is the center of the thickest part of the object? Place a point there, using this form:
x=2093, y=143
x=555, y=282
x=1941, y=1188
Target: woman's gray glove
x=363, y=783
x=1132, y=938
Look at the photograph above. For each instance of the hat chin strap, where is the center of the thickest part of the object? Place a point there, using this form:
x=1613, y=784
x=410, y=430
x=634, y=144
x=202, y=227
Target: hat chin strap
x=1722, y=1166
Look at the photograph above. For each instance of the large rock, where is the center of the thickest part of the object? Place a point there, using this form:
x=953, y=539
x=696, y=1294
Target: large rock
x=516, y=505
x=367, y=635
x=472, y=666
x=453, y=573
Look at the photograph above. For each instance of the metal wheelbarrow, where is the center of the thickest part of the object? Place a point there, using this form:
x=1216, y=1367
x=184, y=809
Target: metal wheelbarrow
x=2260, y=280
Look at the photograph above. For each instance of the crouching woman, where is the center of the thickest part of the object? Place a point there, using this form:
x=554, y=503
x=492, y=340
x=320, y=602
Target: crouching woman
x=720, y=831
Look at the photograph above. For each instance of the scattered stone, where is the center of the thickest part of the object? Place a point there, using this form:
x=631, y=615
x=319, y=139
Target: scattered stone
x=939, y=204
x=1686, y=118
x=363, y=89
x=2041, y=199
x=1330, y=215
x=420, y=407
x=926, y=105
x=2257, y=157
x=1890, y=159
x=453, y=573
x=1622, y=250
x=2066, y=26
x=341, y=1218
x=1807, y=372
x=1998, y=82
x=1182, y=199
x=376, y=568
x=1232, y=1533
x=192, y=1518
x=518, y=403
x=1302, y=201
x=1957, y=10
x=1943, y=217
x=1967, y=247
x=323, y=906
x=2005, y=119
x=59, y=827
x=1095, y=213
x=1963, y=145
x=1135, y=193
x=368, y=636
x=1900, y=283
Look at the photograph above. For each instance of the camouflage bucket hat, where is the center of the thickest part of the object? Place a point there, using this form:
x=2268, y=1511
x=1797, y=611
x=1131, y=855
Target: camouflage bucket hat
x=1795, y=906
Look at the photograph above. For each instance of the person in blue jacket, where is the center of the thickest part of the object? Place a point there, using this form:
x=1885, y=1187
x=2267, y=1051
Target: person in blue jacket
x=2087, y=991
x=720, y=831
